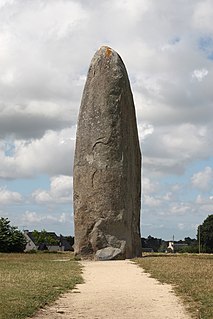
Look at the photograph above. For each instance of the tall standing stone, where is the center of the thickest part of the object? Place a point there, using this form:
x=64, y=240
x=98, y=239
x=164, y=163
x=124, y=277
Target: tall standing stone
x=107, y=165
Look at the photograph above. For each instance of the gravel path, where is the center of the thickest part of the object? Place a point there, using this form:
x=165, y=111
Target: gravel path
x=115, y=290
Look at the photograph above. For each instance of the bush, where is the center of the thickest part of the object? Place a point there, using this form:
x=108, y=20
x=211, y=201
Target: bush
x=190, y=249
x=11, y=239
x=205, y=232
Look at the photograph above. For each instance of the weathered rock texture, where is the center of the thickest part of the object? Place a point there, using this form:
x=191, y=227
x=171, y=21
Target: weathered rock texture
x=107, y=165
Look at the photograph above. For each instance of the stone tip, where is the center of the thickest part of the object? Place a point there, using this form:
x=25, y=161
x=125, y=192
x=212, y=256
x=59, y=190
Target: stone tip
x=106, y=50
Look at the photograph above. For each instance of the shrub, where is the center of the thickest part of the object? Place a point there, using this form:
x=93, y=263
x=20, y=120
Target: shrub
x=11, y=239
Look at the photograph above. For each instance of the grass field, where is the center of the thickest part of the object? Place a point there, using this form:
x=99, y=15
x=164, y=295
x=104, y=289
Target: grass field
x=191, y=275
x=29, y=281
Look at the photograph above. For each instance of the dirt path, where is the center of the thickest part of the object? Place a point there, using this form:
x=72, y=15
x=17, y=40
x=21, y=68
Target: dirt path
x=116, y=289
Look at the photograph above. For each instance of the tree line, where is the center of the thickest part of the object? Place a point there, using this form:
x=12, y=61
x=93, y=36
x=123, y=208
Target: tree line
x=13, y=240
x=203, y=243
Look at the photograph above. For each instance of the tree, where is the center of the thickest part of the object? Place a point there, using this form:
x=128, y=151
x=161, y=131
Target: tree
x=190, y=241
x=151, y=242
x=43, y=237
x=206, y=234
x=70, y=240
x=11, y=239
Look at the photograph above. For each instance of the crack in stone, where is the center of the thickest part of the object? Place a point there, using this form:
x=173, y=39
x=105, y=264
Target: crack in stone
x=99, y=142
x=93, y=175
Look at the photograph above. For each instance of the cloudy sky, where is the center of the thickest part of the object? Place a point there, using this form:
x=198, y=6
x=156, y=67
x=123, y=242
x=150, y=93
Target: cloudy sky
x=45, y=50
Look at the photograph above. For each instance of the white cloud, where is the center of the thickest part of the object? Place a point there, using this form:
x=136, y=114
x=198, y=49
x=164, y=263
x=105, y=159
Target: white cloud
x=52, y=154
x=180, y=208
x=203, y=200
x=199, y=75
x=145, y=130
x=6, y=2
x=33, y=218
x=169, y=149
x=168, y=196
x=203, y=179
x=34, y=119
x=37, y=46
x=205, y=204
x=133, y=12
x=42, y=196
x=152, y=201
x=202, y=16
x=149, y=186
x=60, y=191
x=9, y=197
x=199, y=199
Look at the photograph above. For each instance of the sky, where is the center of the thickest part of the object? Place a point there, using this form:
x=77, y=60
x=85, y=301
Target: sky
x=45, y=51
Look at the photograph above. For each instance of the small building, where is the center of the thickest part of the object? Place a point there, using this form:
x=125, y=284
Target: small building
x=30, y=245
x=175, y=247
x=60, y=243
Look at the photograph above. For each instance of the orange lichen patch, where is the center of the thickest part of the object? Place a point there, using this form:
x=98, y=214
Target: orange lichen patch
x=108, y=52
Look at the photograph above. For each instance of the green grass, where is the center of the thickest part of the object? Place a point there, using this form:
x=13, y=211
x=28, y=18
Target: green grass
x=30, y=281
x=191, y=276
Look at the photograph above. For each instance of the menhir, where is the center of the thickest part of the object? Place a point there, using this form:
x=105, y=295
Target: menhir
x=107, y=165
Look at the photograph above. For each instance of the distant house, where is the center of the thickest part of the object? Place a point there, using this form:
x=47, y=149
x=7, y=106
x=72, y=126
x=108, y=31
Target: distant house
x=175, y=247
x=60, y=243
x=30, y=245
